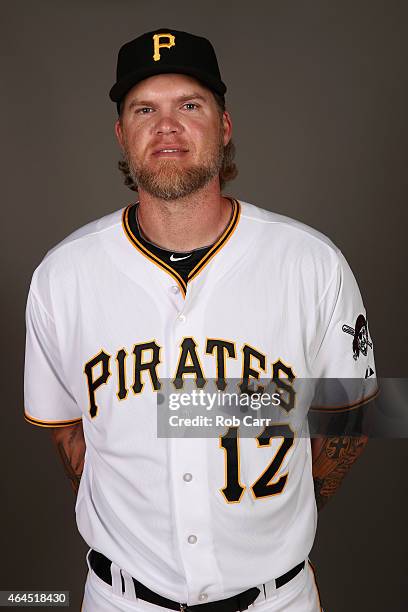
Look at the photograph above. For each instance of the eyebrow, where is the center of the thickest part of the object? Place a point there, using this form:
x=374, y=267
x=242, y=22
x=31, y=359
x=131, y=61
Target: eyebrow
x=184, y=98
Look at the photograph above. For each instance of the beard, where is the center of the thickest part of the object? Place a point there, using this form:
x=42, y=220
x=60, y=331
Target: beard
x=170, y=180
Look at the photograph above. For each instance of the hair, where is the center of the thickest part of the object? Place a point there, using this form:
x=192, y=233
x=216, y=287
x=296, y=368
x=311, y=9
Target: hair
x=228, y=170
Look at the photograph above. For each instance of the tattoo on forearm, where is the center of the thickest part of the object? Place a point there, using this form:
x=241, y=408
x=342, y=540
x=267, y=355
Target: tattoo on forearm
x=332, y=459
x=71, y=449
x=74, y=476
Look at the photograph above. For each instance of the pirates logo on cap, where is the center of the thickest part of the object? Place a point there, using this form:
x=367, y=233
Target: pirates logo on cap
x=159, y=45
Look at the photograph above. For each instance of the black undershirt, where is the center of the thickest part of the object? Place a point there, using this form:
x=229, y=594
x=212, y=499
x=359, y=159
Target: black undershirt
x=187, y=260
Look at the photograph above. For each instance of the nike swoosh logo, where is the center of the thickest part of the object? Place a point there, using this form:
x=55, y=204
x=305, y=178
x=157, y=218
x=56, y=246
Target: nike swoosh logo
x=172, y=258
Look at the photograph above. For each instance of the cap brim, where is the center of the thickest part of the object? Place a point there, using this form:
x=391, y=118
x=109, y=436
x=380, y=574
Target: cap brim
x=121, y=87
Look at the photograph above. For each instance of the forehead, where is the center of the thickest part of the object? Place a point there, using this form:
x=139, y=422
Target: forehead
x=167, y=86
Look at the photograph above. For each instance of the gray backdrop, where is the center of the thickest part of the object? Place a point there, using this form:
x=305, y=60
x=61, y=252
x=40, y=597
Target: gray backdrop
x=318, y=95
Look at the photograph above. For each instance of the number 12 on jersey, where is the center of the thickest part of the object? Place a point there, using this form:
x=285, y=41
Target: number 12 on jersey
x=263, y=486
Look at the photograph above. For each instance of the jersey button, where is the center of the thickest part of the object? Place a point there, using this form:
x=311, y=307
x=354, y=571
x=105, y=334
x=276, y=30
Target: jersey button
x=181, y=317
x=202, y=597
x=192, y=539
x=175, y=289
x=188, y=477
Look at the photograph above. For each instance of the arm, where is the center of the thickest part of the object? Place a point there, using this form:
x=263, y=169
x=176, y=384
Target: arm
x=332, y=458
x=70, y=444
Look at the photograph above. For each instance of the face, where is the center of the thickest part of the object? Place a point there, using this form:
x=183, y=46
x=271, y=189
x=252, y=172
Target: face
x=172, y=134
x=363, y=340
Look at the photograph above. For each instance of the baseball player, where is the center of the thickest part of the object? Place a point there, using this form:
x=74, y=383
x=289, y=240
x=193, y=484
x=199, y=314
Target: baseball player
x=184, y=284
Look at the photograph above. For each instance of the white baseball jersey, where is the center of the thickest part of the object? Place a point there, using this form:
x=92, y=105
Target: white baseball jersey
x=107, y=321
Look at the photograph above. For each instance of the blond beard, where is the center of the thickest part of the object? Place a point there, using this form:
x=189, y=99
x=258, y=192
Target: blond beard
x=170, y=181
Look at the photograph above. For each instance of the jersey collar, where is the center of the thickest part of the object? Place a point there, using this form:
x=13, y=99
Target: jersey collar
x=129, y=225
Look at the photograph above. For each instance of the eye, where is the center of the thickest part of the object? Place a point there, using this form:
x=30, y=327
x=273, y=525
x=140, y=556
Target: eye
x=144, y=111
x=190, y=105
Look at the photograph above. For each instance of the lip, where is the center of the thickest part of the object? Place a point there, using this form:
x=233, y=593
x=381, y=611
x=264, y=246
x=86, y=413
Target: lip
x=170, y=150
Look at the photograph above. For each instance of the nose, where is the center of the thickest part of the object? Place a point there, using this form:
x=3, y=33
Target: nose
x=166, y=124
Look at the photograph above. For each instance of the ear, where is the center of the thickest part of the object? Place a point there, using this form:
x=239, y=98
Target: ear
x=119, y=133
x=227, y=127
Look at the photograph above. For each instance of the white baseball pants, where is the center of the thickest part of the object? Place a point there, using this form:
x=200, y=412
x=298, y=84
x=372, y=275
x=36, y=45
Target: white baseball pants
x=298, y=595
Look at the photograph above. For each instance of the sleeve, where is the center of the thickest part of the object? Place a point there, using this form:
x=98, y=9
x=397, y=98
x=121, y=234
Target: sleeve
x=344, y=356
x=48, y=401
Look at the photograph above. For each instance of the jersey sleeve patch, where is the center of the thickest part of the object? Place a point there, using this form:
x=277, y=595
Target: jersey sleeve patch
x=361, y=341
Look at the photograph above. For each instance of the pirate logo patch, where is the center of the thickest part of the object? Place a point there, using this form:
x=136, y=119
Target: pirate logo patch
x=361, y=341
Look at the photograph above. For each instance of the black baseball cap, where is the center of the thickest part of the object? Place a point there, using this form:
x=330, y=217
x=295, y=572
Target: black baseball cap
x=166, y=51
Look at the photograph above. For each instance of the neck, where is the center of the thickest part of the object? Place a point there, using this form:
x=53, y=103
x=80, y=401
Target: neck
x=186, y=223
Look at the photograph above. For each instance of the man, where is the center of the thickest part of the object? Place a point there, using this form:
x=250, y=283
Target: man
x=188, y=284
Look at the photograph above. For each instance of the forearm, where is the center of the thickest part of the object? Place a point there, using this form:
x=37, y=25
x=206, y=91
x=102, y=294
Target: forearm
x=70, y=445
x=332, y=459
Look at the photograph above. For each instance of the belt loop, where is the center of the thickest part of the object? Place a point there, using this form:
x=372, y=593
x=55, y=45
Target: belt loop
x=116, y=580
x=130, y=592
x=262, y=596
x=270, y=589
x=87, y=559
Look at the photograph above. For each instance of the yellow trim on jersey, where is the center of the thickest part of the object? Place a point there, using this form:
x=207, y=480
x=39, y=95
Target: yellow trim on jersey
x=148, y=254
x=226, y=235
x=347, y=407
x=40, y=423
